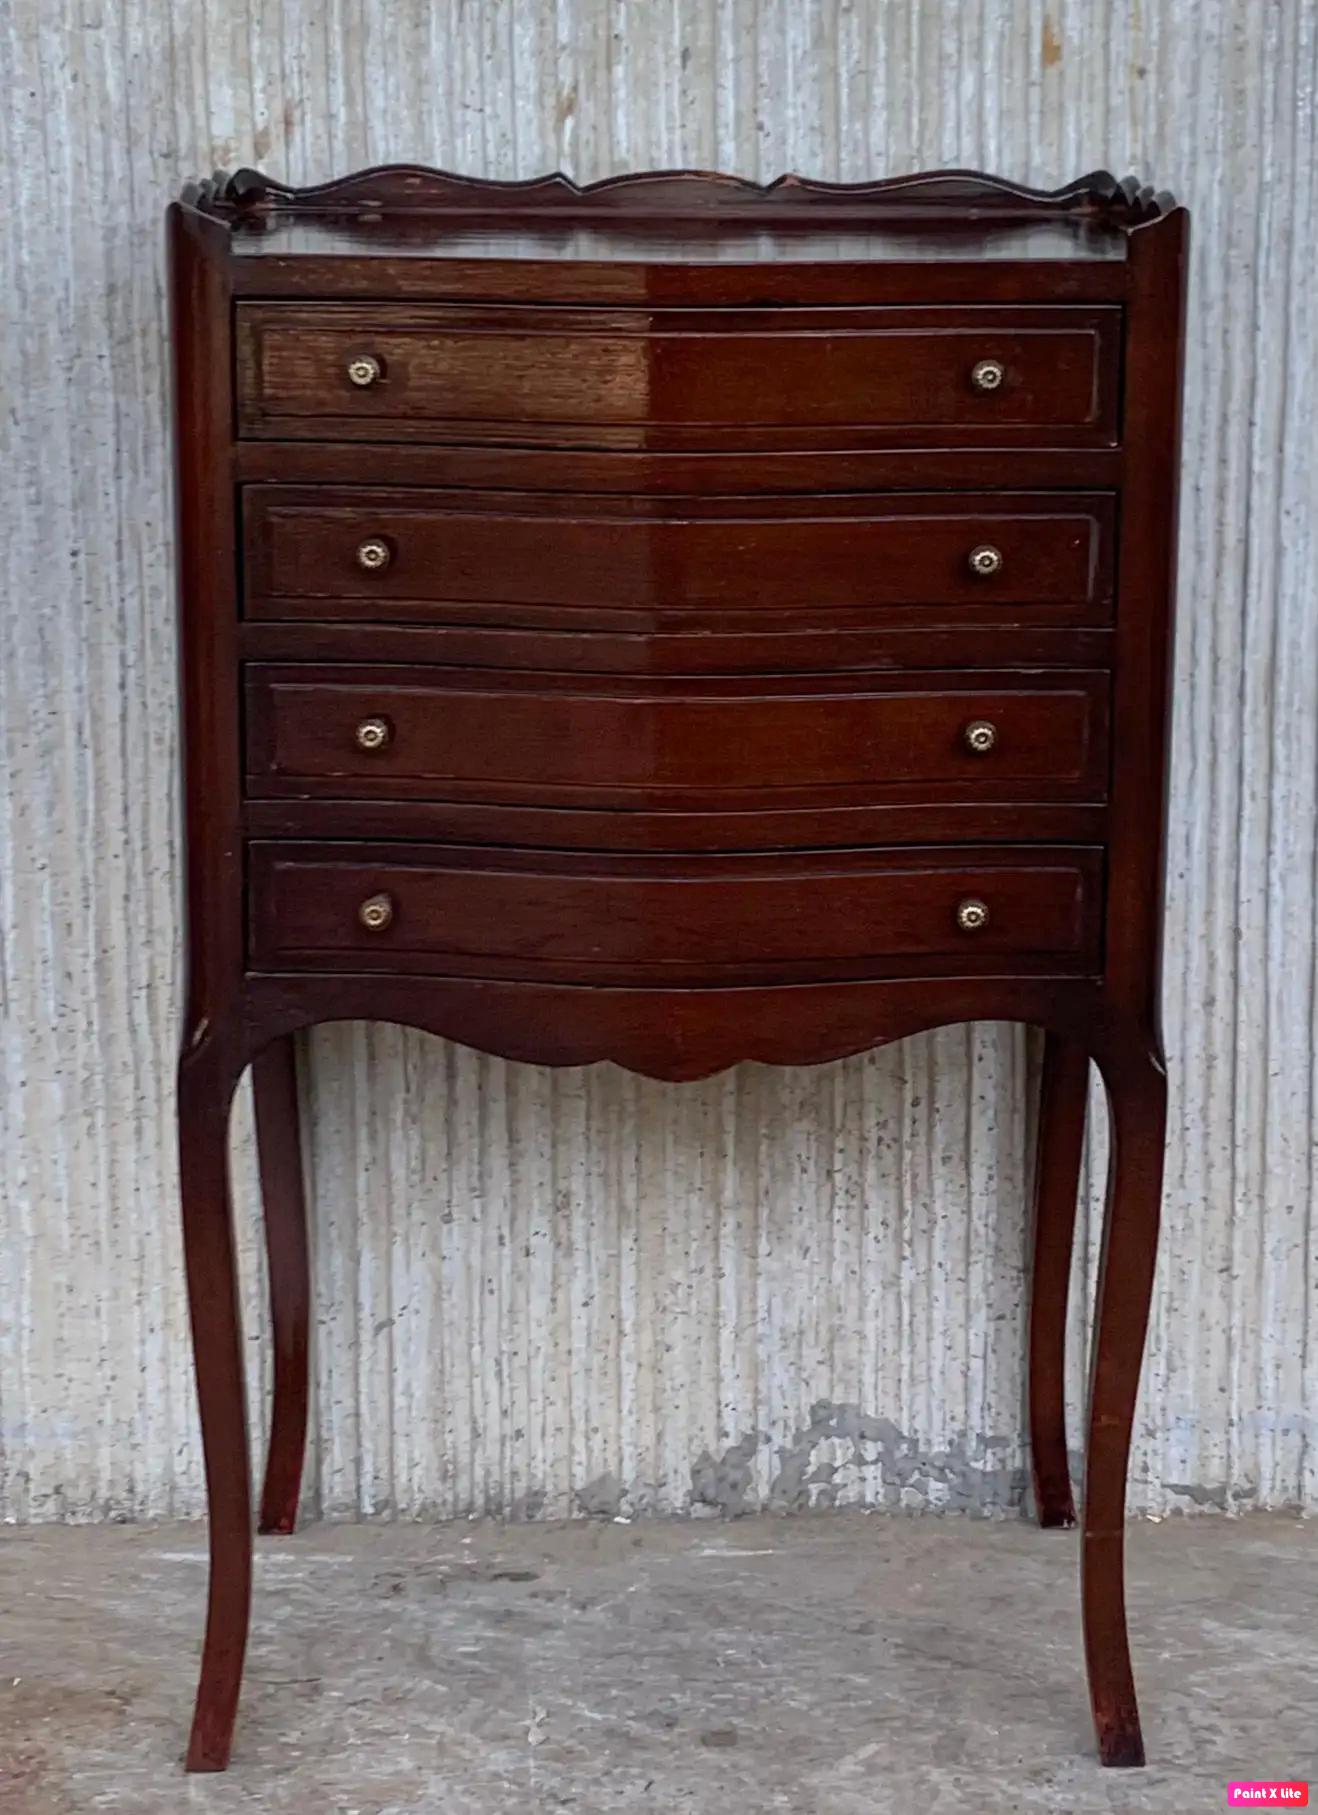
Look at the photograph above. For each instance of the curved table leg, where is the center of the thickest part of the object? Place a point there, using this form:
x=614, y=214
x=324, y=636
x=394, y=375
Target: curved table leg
x=1061, y=1139
x=279, y=1148
x=1137, y=1097
x=206, y=1078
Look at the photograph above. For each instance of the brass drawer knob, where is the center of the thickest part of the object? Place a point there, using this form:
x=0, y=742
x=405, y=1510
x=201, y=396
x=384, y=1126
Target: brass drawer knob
x=364, y=371
x=987, y=374
x=374, y=734
x=376, y=913
x=374, y=555
x=985, y=560
x=979, y=736
x=972, y=914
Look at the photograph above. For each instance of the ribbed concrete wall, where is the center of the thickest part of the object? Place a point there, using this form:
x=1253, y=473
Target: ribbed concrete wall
x=548, y=1292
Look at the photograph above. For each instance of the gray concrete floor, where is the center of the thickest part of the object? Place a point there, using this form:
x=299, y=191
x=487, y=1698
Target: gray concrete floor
x=831, y=1664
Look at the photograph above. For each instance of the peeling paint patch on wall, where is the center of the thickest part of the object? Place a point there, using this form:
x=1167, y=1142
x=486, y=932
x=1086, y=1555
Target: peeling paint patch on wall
x=583, y=1293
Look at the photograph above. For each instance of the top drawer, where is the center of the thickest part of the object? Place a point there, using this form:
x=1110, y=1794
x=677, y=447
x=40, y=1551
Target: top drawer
x=680, y=378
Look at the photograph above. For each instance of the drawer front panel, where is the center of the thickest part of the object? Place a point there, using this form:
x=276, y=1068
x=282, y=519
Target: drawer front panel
x=396, y=556
x=680, y=378
x=555, y=915
x=584, y=740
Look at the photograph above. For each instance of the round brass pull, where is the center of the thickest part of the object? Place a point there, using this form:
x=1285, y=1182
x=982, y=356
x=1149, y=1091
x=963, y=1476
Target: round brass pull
x=374, y=734
x=972, y=914
x=987, y=374
x=364, y=371
x=979, y=736
x=985, y=560
x=376, y=913
x=374, y=555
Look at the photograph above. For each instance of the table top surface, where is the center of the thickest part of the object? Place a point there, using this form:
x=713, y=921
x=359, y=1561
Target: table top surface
x=715, y=242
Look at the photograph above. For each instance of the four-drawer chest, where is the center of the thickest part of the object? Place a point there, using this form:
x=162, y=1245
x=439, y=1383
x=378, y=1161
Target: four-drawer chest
x=675, y=622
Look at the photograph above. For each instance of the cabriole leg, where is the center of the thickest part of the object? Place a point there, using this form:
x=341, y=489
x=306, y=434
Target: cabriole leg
x=1061, y=1137
x=207, y=1074
x=1137, y=1098
x=279, y=1147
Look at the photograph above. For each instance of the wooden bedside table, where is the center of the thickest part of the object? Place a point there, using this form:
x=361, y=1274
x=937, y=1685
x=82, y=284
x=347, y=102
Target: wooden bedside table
x=675, y=622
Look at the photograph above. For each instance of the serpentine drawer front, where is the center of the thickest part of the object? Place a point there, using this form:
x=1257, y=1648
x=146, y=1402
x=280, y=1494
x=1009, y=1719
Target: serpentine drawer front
x=675, y=623
x=586, y=740
x=590, y=561
x=678, y=920
x=614, y=378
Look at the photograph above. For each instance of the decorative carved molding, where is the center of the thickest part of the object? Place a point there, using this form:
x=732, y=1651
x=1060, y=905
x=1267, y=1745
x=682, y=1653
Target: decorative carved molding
x=672, y=1035
x=942, y=195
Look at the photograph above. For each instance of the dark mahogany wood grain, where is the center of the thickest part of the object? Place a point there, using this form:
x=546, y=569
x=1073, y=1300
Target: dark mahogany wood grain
x=1059, y=1146
x=206, y=1077
x=762, y=647
x=941, y=198
x=714, y=919
x=917, y=821
x=200, y=311
x=547, y=560
x=676, y=643
x=695, y=379
x=659, y=474
x=677, y=1034
x=313, y=260
x=288, y=1265
x=210, y=1060
x=1136, y=1082
x=431, y=234
x=1147, y=569
x=588, y=740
